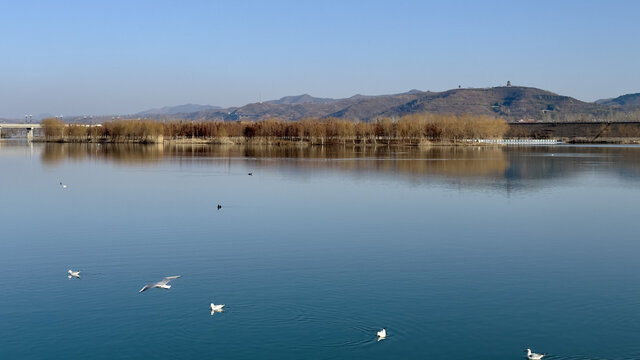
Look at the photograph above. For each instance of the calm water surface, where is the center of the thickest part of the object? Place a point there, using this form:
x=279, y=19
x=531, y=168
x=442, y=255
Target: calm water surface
x=461, y=253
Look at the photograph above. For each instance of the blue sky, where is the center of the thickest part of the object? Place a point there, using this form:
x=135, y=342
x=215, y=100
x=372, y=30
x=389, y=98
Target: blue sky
x=106, y=57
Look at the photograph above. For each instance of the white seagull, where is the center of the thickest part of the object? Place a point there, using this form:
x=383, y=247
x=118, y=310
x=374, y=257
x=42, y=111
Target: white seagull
x=73, y=274
x=216, y=308
x=64, y=186
x=382, y=334
x=534, y=356
x=160, y=284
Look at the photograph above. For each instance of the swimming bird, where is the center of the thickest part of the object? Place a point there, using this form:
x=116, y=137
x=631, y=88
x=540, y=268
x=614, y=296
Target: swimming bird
x=216, y=308
x=64, y=186
x=73, y=274
x=534, y=356
x=250, y=174
x=382, y=334
x=219, y=206
x=160, y=284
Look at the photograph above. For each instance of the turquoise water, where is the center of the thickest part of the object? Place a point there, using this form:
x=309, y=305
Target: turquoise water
x=460, y=253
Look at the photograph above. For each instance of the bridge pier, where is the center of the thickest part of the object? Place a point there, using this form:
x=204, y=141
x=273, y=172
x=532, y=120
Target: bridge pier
x=29, y=134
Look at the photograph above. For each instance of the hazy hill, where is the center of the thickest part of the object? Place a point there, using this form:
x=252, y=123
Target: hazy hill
x=300, y=99
x=37, y=117
x=43, y=116
x=178, y=109
x=627, y=102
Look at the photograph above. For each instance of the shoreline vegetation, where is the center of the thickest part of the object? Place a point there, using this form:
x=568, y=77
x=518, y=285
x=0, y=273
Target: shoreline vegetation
x=416, y=129
x=411, y=130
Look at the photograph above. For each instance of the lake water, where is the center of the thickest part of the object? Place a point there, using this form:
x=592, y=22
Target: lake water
x=461, y=253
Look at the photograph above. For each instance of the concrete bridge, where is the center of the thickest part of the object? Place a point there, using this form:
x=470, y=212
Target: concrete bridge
x=28, y=127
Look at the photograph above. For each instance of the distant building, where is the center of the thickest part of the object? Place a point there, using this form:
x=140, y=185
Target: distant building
x=508, y=83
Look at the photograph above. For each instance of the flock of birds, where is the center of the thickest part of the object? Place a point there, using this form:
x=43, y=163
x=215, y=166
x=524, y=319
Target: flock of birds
x=164, y=284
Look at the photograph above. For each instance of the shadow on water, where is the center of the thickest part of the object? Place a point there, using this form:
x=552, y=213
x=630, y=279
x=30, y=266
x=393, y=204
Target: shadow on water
x=451, y=161
x=510, y=167
x=134, y=154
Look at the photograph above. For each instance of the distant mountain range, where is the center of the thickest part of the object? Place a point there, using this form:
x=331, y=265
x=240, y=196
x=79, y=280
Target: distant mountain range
x=513, y=103
x=179, y=109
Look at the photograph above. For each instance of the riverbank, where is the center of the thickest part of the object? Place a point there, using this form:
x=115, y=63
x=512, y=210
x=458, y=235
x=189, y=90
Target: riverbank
x=351, y=142
x=609, y=140
x=259, y=141
x=583, y=132
x=409, y=130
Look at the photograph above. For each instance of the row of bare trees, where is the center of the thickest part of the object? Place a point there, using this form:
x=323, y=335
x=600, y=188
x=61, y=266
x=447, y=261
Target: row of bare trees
x=409, y=129
x=111, y=131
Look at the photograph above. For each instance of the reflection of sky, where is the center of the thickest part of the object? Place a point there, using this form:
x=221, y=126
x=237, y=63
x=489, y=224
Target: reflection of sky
x=538, y=166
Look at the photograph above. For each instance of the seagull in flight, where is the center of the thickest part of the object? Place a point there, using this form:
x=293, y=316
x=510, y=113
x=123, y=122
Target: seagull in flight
x=160, y=284
x=534, y=356
x=382, y=334
x=216, y=308
x=73, y=274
